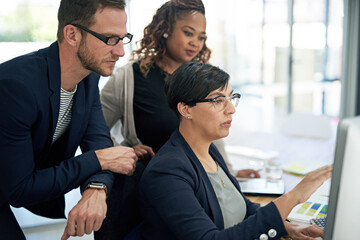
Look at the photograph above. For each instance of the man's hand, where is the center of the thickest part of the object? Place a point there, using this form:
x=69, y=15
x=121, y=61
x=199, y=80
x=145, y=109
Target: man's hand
x=87, y=215
x=117, y=159
x=143, y=152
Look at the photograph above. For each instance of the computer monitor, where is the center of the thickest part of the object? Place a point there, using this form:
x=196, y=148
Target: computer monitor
x=343, y=217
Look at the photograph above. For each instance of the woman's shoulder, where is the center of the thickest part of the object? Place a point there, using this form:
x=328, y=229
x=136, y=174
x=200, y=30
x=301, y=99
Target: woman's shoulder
x=173, y=160
x=170, y=155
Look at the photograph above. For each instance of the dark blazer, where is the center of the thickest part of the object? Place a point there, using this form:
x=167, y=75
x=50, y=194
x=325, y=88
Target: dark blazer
x=179, y=202
x=34, y=172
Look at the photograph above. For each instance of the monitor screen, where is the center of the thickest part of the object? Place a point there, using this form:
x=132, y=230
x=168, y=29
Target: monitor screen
x=343, y=218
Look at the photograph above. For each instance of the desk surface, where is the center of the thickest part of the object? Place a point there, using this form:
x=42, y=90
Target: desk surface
x=289, y=149
x=261, y=200
x=290, y=181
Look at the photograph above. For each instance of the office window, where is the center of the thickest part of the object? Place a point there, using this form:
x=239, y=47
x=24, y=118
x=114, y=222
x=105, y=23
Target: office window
x=250, y=39
x=283, y=56
x=28, y=20
x=317, y=34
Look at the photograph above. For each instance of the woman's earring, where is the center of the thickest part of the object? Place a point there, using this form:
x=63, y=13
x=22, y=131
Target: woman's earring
x=188, y=117
x=165, y=35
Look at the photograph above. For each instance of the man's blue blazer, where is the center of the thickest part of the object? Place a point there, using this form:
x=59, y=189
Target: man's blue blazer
x=34, y=172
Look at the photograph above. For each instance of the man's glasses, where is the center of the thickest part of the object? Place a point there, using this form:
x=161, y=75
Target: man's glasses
x=112, y=41
x=220, y=102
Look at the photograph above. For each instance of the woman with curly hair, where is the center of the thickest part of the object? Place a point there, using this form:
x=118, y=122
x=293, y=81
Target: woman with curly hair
x=134, y=95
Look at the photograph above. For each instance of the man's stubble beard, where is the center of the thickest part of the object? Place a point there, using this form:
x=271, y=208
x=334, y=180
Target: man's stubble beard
x=88, y=60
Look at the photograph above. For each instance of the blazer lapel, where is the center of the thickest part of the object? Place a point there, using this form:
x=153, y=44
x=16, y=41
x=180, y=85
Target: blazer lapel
x=212, y=199
x=78, y=107
x=77, y=114
x=54, y=84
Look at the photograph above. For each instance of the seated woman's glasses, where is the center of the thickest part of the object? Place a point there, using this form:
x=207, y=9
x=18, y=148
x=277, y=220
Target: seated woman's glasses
x=220, y=102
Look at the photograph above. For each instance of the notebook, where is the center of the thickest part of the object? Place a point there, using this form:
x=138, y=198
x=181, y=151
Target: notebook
x=261, y=186
x=303, y=167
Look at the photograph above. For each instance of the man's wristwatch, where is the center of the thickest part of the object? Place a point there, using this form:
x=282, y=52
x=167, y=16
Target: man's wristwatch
x=97, y=185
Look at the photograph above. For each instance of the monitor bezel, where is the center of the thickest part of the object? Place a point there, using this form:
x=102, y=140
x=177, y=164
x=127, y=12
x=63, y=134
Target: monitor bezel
x=341, y=139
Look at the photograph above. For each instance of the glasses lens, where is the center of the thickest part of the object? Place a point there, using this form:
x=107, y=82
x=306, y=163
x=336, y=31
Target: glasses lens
x=219, y=102
x=113, y=41
x=235, y=100
x=127, y=38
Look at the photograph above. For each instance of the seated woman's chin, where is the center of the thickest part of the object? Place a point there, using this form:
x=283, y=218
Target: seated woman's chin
x=221, y=135
x=225, y=133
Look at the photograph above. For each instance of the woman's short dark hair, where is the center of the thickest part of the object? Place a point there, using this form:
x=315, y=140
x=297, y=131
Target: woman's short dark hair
x=82, y=12
x=193, y=81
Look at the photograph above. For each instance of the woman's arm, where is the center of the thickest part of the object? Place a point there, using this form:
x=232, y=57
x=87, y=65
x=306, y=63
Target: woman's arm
x=110, y=100
x=117, y=104
x=301, y=192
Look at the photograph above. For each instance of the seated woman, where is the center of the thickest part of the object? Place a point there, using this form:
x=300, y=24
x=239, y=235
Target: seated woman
x=187, y=192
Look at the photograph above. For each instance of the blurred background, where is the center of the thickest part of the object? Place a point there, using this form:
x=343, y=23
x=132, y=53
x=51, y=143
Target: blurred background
x=283, y=56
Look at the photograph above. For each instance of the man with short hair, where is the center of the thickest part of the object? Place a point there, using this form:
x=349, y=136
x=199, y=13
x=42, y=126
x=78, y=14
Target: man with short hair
x=49, y=104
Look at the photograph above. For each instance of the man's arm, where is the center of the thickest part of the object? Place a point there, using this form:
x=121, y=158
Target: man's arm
x=25, y=185
x=97, y=137
x=90, y=212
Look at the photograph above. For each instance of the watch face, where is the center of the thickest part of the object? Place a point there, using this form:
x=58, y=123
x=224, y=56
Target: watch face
x=95, y=184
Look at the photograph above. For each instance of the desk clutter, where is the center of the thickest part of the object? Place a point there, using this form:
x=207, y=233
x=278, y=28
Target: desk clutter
x=315, y=207
x=262, y=186
x=295, y=156
x=321, y=222
x=302, y=166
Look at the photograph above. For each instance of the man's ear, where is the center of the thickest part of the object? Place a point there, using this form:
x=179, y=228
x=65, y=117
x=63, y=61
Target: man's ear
x=72, y=35
x=184, y=110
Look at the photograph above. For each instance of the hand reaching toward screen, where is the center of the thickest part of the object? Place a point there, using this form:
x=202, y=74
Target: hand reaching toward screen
x=302, y=191
x=311, y=182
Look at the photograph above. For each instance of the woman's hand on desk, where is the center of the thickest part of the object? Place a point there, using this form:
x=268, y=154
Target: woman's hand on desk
x=304, y=232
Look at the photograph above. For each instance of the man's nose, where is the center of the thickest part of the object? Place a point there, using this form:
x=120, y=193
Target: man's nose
x=118, y=49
